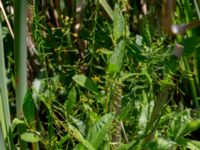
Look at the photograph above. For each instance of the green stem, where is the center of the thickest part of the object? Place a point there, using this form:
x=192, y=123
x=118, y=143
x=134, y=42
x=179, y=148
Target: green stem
x=20, y=48
x=192, y=84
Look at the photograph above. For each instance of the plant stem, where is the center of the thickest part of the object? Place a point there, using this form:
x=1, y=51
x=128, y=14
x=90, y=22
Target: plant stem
x=192, y=84
x=20, y=47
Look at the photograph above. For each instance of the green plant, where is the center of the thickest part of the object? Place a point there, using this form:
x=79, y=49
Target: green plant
x=101, y=75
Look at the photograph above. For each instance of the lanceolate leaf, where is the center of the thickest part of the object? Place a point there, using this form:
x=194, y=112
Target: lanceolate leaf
x=118, y=24
x=85, y=82
x=75, y=133
x=71, y=99
x=29, y=107
x=100, y=130
x=116, y=58
x=5, y=110
x=107, y=8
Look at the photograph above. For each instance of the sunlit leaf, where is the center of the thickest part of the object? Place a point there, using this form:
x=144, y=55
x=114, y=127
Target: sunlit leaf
x=188, y=127
x=85, y=82
x=30, y=137
x=191, y=144
x=165, y=144
x=139, y=40
x=100, y=129
x=118, y=23
x=16, y=122
x=80, y=125
x=116, y=58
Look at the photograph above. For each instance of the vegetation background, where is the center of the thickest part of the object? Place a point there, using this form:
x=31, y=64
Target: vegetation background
x=100, y=74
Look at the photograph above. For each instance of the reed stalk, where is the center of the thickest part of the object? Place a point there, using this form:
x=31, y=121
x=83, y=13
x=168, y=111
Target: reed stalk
x=5, y=119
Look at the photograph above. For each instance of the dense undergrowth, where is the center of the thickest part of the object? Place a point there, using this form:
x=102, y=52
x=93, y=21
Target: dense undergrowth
x=103, y=75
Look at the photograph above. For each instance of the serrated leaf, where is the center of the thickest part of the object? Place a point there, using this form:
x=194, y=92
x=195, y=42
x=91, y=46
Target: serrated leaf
x=29, y=107
x=100, y=130
x=30, y=137
x=85, y=82
x=118, y=23
x=116, y=58
x=71, y=100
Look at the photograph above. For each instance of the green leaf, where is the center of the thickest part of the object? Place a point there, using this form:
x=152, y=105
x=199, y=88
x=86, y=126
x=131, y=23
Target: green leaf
x=124, y=111
x=118, y=23
x=171, y=63
x=138, y=40
x=30, y=137
x=190, y=45
x=2, y=141
x=85, y=82
x=165, y=144
x=79, y=137
x=80, y=125
x=4, y=101
x=126, y=146
x=107, y=8
x=100, y=129
x=190, y=144
x=188, y=127
x=135, y=51
x=16, y=122
x=29, y=107
x=146, y=33
x=116, y=58
x=64, y=138
x=71, y=100
x=193, y=144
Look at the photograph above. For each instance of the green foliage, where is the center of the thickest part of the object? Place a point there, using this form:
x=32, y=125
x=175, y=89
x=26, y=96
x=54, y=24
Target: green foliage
x=119, y=82
x=116, y=59
x=118, y=23
x=30, y=137
x=191, y=45
x=29, y=107
x=71, y=100
x=100, y=129
x=85, y=82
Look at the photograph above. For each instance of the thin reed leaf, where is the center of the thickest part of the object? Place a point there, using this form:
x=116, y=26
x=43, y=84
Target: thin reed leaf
x=3, y=87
